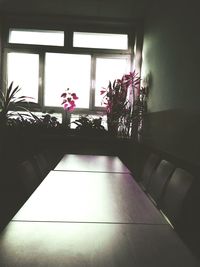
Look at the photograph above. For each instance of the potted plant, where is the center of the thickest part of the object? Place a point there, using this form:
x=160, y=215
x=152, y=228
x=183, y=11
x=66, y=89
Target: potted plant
x=9, y=102
x=89, y=126
x=118, y=98
x=69, y=104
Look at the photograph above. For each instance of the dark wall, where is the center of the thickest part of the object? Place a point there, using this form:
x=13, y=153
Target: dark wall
x=171, y=56
x=0, y=50
x=175, y=132
x=127, y=9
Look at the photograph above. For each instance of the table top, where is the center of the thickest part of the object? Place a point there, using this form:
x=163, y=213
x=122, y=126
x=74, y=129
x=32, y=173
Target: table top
x=75, y=162
x=89, y=197
x=41, y=244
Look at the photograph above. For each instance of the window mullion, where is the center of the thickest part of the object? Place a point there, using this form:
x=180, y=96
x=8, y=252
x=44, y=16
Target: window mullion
x=68, y=41
x=41, y=80
x=92, y=86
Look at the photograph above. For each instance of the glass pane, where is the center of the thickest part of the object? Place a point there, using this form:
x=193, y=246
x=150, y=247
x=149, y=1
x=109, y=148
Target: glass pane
x=36, y=37
x=64, y=71
x=108, y=69
x=23, y=70
x=100, y=40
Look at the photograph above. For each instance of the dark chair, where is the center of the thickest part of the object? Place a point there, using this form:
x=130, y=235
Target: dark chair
x=159, y=179
x=27, y=177
x=149, y=166
x=10, y=198
x=175, y=193
x=42, y=165
x=52, y=156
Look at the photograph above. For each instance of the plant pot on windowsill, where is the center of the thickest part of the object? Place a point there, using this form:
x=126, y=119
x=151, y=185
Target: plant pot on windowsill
x=89, y=126
x=66, y=116
x=113, y=127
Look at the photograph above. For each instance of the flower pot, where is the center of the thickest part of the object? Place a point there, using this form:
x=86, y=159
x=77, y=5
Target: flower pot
x=66, y=118
x=113, y=127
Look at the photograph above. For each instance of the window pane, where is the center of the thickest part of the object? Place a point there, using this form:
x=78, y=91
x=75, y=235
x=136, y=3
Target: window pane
x=36, y=37
x=23, y=70
x=100, y=40
x=108, y=69
x=64, y=71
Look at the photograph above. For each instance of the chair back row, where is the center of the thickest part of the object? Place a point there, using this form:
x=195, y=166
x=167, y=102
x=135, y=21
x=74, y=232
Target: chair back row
x=20, y=180
x=166, y=185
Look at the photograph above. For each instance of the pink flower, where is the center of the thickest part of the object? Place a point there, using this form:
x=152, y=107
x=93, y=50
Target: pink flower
x=65, y=106
x=72, y=103
x=69, y=100
x=71, y=108
x=75, y=97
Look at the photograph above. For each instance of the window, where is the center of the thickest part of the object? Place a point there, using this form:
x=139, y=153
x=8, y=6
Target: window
x=108, y=69
x=23, y=70
x=44, y=65
x=100, y=40
x=64, y=71
x=36, y=37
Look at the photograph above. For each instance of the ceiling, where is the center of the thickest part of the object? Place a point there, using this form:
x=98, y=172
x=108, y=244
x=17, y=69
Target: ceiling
x=123, y=9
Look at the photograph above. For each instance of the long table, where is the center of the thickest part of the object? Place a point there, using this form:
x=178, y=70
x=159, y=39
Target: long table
x=91, y=218
x=90, y=197
x=45, y=244
x=94, y=163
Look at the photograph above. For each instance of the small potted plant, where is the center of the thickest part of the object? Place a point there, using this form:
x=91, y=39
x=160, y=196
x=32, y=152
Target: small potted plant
x=89, y=126
x=69, y=103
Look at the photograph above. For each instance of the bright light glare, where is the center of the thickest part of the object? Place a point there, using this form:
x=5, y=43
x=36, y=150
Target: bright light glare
x=108, y=69
x=100, y=40
x=36, y=37
x=23, y=69
x=64, y=71
x=65, y=196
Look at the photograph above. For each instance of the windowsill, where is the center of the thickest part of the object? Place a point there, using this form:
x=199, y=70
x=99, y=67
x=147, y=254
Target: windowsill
x=34, y=132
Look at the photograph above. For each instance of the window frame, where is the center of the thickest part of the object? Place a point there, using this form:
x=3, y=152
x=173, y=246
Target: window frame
x=67, y=48
x=35, y=31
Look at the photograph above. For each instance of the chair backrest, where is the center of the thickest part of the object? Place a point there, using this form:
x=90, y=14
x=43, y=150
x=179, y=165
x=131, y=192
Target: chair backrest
x=52, y=156
x=11, y=198
x=175, y=193
x=27, y=177
x=159, y=179
x=42, y=165
x=149, y=166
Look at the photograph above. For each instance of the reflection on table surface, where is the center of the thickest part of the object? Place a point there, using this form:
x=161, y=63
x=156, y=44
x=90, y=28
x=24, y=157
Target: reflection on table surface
x=41, y=244
x=89, y=197
x=73, y=162
x=92, y=215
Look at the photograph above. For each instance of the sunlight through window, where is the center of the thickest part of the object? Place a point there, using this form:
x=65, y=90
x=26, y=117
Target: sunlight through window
x=64, y=71
x=23, y=69
x=36, y=37
x=100, y=40
x=108, y=69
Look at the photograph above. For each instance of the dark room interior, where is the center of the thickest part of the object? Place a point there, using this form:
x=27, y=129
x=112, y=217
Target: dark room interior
x=160, y=150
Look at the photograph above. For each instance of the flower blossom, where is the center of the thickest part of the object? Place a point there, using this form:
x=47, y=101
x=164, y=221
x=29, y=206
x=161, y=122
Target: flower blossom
x=69, y=100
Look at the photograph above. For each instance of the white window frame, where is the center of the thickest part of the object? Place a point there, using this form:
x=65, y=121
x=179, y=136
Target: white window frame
x=68, y=48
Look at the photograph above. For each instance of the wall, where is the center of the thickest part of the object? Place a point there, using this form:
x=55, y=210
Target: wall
x=97, y=8
x=171, y=56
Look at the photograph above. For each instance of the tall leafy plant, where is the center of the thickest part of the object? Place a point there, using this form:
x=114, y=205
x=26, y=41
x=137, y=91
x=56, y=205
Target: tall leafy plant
x=119, y=98
x=10, y=101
